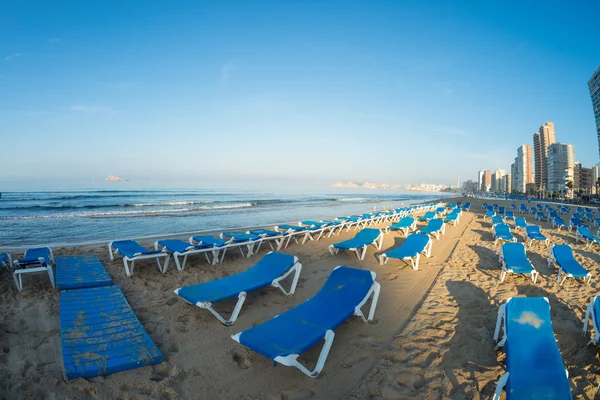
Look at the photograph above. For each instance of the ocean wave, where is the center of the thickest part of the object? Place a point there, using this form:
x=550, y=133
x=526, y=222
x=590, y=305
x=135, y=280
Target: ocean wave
x=352, y=199
x=132, y=213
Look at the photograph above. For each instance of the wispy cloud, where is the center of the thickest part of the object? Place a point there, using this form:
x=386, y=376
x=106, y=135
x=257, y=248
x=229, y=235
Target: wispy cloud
x=54, y=41
x=226, y=72
x=12, y=56
x=450, y=131
x=86, y=109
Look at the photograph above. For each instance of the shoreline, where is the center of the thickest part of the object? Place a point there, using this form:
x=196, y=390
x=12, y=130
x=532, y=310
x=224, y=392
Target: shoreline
x=145, y=239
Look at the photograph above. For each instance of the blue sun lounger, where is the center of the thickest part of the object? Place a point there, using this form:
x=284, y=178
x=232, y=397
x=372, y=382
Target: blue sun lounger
x=270, y=237
x=285, y=337
x=178, y=248
x=559, y=223
x=405, y=225
x=562, y=255
x=576, y=223
x=513, y=259
x=269, y=271
x=466, y=207
x=509, y=215
x=35, y=260
x=534, y=366
x=593, y=310
x=427, y=216
x=452, y=218
x=497, y=219
x=584, y=233
x=411, y=249
x=435, y=227
x=502, y=232
x=520, y=223
x=291, y=231
x=489, y=214
x=6, y=261
x=534, y=234
x=133, y=251
x=76, y=272
x=364, y=238
x=100, y=334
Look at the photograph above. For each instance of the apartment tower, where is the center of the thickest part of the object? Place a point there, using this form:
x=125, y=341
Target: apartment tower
x=541, y=140
x=594, y=85
x=522, y=169
x=561, y=163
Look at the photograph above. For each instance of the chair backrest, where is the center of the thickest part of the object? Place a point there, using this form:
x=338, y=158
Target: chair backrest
x=368, y=235
x=435, y=224
x=497, y=219
x=417, y=241
x=533, y=358
x=406, y=222
x=521, y=222
x=585, y=232
x=533, y=229
x=502, y=229
x=562, y=252
x=514, y=251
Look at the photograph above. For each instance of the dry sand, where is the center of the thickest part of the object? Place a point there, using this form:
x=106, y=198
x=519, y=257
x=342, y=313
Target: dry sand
x=431, y=338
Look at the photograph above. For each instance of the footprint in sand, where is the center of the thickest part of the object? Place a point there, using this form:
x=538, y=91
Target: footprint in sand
x=297, y=394
x=163, y=371
x=241, y=360
x=172, y=301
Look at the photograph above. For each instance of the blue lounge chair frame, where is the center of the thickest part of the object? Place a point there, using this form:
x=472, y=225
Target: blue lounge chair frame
x=291, y=360
x=405, y=225
x=508, y=267
x=533, y=233
x=502, y=232
x=34, y=260
x=179, y=248
x=408, y=253
x=520, y=223
x=295, y=268
x=292, y=231
x=139, y=253
x=430, y=229
x=593, y=311
x=270, y=237
x=584, y=233
x=361, y=250
x=568, y=266
x=543, y=352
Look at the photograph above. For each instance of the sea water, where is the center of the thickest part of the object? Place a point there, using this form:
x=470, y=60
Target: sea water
x=70, y=217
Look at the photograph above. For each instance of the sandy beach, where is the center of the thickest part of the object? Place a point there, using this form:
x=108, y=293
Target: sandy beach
x=431, y=337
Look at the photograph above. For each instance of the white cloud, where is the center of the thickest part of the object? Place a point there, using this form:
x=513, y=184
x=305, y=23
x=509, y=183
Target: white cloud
x=450, y=131
x=12, y=56
x=226, y=71
x=99, y=110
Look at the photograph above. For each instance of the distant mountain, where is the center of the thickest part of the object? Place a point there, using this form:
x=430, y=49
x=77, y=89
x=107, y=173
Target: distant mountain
x=346, y=184
x=366, y=185
x=112, y=178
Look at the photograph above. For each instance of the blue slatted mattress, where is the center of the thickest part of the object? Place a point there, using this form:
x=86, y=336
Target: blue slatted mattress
x=75, y=272
x=101, y=335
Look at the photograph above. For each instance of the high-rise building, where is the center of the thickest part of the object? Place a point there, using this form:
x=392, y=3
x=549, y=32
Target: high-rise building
x=487, y=181
x=522, y=169
x=507, y=183
x=541, y=140
x=594, y=179
x=561, y=162
x=594, y=85
x=582, y=179
x=497, y=177
x=480, y=180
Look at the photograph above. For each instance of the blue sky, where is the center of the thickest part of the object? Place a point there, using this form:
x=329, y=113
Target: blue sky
x=230, y=92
